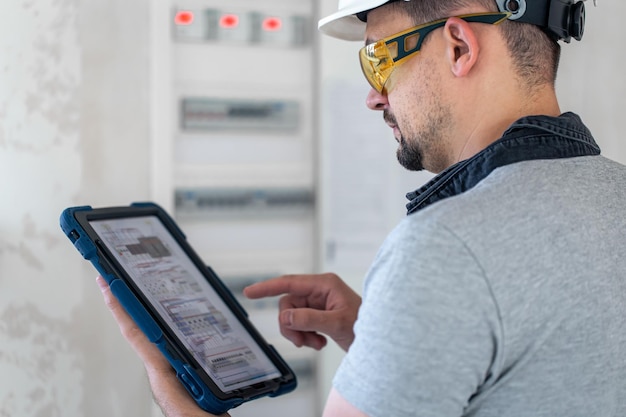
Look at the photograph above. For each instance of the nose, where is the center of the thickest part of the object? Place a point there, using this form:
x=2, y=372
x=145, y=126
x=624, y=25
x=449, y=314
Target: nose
x=376, y=100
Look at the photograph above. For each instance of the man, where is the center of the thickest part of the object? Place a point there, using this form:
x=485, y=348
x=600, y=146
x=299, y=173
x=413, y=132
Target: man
x=503, y=292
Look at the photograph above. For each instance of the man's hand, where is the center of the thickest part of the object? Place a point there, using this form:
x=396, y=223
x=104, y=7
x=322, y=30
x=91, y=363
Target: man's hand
x=310, y=305
x=168, y=391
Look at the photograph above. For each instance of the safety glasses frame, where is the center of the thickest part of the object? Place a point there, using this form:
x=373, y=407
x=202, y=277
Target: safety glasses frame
x=377, y=60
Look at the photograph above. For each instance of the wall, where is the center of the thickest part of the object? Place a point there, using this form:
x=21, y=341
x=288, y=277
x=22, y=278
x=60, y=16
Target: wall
x=73, y=130
x=591, y=81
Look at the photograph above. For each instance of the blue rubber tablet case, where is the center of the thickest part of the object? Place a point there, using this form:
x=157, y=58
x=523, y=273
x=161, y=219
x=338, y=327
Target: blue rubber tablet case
x=179, y=303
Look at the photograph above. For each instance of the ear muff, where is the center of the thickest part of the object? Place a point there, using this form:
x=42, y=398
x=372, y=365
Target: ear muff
x=577, y=21
x=561, y=19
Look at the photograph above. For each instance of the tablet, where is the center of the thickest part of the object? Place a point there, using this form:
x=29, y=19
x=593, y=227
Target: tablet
x=179, y=303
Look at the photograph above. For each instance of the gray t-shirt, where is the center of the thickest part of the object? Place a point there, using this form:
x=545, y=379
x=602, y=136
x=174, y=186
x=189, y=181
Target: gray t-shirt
x=508, y=300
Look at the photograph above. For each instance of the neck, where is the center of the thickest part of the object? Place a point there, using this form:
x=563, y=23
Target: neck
x=485, y=124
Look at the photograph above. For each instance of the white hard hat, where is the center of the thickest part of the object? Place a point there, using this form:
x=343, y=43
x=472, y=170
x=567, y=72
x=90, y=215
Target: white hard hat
x=343, y=24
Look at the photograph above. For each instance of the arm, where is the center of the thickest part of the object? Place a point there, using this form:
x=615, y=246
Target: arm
x=337, y=406
x=310, y=305
x=168, y=392
x=425, y=340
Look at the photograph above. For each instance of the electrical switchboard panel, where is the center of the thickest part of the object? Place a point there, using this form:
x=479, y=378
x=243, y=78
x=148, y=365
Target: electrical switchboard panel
x=253, y=27
x=203, y=113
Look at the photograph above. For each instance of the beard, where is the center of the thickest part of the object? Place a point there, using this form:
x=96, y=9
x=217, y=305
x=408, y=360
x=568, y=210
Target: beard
x=409, y=155
x=426, y=149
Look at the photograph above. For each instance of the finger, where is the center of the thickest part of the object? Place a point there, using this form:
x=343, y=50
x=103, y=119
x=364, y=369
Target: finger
x=308, y=320
x=300, y=339
x=293, y=336
x=300, y=285
x=119, y=314
x=336, y=324
x=147, y=351
x=289, y=302
x=172, y=397
x=314, y=340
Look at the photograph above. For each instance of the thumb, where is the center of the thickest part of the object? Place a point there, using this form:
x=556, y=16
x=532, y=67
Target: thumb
x=308, y=320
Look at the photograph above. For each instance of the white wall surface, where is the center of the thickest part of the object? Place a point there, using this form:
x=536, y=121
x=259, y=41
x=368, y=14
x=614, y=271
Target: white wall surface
x=73, y=130
x=591, y=79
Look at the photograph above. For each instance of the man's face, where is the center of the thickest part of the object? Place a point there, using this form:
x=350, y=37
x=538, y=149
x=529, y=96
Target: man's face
x=413, y=102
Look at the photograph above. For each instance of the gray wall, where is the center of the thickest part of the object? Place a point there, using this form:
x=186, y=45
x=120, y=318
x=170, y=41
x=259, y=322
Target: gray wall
x=73, y=130
x=591, y=81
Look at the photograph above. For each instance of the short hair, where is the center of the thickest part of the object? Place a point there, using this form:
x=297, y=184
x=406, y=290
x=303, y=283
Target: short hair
x=535, y=54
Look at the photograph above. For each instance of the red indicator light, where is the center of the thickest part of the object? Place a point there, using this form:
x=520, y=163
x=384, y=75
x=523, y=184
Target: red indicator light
x=229, y=21
x=272, y=24
x=183, y=17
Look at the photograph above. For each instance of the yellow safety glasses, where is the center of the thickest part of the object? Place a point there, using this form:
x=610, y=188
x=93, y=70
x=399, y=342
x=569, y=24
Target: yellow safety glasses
x=379, y=59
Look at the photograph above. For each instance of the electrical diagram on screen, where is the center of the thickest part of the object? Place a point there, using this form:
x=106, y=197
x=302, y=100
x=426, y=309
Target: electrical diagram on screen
x=207, y=332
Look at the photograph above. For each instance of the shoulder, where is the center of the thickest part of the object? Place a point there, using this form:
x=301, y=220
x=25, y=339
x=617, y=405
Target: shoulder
x=521, y=190
x=427, y=265
x=424, y=282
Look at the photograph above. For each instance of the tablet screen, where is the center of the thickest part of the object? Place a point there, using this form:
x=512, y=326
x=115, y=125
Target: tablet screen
x=187, y=302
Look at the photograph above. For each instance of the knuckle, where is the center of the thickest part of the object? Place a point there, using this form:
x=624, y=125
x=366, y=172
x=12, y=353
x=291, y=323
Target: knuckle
x=331, y=276
x=111, y=303
x=341, y=326
x=306, y=321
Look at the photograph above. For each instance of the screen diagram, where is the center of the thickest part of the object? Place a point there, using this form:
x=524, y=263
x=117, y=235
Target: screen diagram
x=181, y=294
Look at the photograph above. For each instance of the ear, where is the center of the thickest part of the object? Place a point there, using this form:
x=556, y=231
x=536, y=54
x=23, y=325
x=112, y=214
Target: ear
x=462, y=46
